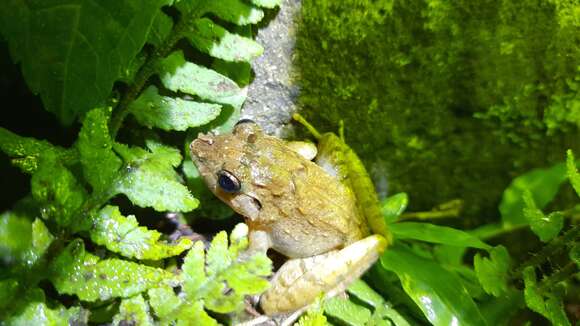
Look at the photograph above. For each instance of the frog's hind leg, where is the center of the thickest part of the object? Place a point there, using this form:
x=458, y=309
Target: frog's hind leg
x=300, y=281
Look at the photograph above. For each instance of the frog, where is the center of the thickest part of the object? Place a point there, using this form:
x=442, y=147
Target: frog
x=304, y=210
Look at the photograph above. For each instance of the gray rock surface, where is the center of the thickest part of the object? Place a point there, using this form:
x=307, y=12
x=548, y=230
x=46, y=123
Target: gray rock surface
x=272, y=94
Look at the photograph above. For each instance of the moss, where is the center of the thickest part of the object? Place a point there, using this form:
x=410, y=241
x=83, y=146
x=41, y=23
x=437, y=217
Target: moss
x=454, y=98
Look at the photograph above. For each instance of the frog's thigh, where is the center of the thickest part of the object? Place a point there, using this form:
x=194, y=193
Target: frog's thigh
x=300, y=281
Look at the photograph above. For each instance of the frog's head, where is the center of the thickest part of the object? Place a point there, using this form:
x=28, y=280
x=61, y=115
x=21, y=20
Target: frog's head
x=224, y=163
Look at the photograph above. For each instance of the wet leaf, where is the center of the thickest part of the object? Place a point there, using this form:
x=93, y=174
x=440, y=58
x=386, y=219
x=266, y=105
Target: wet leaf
x=492, y=272
x=151, y=181
x=100, y=164
x=543, y=184
x=216, y=41
x=25, y=152
x=392, y=207
x=267, y=3
x=123, y=235
x=133, y=311
x=438, y=292
x=207, y=276
x=545, y=227
x=77, y=272
x=167, y=113
x=59, y=192
x=436, y=234
x=179, y=75
x=347, y=312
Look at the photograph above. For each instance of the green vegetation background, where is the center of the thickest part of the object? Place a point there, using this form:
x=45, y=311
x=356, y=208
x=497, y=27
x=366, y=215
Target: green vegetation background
x=453, y=98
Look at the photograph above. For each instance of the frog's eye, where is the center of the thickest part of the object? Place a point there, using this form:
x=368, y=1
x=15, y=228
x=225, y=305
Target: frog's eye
x=228, y=182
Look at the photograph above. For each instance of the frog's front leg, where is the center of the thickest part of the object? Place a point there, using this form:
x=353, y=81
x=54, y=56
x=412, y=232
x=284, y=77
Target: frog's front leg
x=300, y=281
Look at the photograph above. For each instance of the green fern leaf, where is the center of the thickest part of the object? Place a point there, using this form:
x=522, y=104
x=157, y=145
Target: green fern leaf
x=77, y=272
x=123, y=235
x=179, y=75
x=171, y=309
x=25, y=152
x=546, y=227
x=492, y=272
x=33, y=310
x=150, y=181
x=207, y=277
x=216, y=41
x=267, y=3
x=133, y=311
x=59, y=192
x=22, y=241
x=154, y=110
x=236, y=11
x=100, y=164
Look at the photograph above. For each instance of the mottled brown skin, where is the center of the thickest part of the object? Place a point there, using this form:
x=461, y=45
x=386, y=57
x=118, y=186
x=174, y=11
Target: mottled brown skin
x=304, y=210
x=294, y=207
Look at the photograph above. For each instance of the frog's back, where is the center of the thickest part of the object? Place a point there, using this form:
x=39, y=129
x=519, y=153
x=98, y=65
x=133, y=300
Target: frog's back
x=310, y=207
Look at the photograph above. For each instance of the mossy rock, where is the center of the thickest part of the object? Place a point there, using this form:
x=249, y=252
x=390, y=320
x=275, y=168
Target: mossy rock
x=452, y=99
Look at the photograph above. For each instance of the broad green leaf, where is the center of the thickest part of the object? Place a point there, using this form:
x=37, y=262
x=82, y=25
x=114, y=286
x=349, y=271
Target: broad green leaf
x=387, y=315
x=173, y=310
x=77, y=272
x=236, y=11
x=267, y=3
x=167, y=113
x=216, y=41
x=100, y=164
x=436, y=234
x=347, y=312
x=123, y=235
x=492, y=271
x=72, y=51
x=179, y=75
x=384, y=313
x=438, y=292
x=572, y=171
x=550, y=307
x=160, y=30
x=542, y=183
x=207, y=276
x=393, y=206
x=365, y=293
x=149, y=179
x=25, y=152
x=59, y=192
x=133, y=311
x=545, y=227
x=38, y=313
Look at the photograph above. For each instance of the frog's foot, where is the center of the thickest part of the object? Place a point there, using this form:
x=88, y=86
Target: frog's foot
x=300, y=281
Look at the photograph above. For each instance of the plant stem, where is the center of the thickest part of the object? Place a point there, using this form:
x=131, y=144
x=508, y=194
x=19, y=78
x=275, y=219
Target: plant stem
x=549, y=250
x=148, y=68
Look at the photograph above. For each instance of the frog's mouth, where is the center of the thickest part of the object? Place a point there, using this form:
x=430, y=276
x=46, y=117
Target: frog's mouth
x=246, y=205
